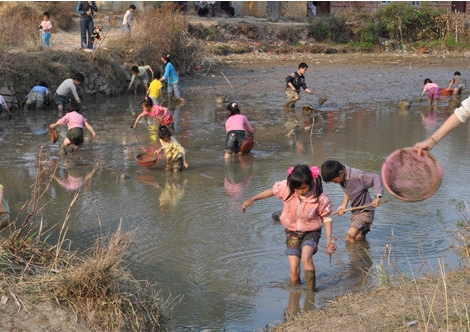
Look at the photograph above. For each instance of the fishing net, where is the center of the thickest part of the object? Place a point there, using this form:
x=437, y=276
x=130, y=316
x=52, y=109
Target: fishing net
x=410, y=177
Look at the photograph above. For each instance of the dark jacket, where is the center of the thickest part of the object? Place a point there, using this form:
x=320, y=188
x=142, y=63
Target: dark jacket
x=84, y=6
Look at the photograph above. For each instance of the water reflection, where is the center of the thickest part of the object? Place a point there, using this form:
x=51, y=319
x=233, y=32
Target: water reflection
x=238, y=172
x=77, y=178
x=190, y=235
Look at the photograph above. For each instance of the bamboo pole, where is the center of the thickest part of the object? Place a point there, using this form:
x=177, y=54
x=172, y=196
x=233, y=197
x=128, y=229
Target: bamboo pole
x=360, y=207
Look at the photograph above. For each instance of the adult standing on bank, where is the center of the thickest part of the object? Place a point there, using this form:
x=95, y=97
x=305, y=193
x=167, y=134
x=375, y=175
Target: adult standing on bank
x=174, y=87
x=126, y=21
x=86, y=9
x=294, y=82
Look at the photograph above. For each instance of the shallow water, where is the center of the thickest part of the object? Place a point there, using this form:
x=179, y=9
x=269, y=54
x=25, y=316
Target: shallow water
x=190, y=236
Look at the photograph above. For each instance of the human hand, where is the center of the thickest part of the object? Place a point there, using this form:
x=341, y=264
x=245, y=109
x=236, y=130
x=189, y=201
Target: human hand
x=246, y=204
x=424, y=145
x=331, y=248
x=375, y=202
x=419, y=100
x=185, y=164
x=311, y=92
x=340, y=211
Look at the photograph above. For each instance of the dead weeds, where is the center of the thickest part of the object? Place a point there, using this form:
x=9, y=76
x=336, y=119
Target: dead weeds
x=93, y=285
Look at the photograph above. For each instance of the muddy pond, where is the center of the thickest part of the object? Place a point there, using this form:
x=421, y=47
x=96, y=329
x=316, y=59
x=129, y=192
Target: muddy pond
x=190, y=235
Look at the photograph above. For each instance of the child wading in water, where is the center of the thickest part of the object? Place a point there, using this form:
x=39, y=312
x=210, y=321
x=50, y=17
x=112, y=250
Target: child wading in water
x=306, y=210
x=434, y=92
x=459, y=83
x=174, y=152
x=355, y=184
x=75, y=122
x=161, y=114
x=235, y=128
x=294, y=82
x=155, y=89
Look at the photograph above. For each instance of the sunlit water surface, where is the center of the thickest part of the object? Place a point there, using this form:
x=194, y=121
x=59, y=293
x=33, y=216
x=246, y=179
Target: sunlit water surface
x=190, y=235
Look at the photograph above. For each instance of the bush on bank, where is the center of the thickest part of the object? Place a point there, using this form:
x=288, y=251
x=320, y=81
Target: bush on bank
x=393, y=27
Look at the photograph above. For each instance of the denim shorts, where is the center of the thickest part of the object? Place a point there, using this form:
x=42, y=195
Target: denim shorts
x=175, y=89
x=234, y=141
x=36, y=97
x=295, y=241
x=60, y=100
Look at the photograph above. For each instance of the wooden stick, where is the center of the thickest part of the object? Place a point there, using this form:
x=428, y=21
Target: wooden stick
x=360, y=207
x=227, y=79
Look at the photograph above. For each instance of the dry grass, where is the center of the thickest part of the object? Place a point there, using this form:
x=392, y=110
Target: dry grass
x=163, y=30
x=94, y=285
x=19, y=21
x=431, y=304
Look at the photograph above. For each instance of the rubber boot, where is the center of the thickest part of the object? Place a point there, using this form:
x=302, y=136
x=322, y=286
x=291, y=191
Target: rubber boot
x=289, y=102
x=310, y=280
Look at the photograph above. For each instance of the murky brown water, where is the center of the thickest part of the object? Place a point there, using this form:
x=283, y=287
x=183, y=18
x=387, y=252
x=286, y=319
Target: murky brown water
x=191, y=237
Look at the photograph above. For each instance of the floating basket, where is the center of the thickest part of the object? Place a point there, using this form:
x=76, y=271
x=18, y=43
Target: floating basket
x=147, y=159
x=445, y=92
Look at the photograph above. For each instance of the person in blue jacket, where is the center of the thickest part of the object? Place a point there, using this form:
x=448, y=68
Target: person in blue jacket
x=38, y=95
x=173, y=83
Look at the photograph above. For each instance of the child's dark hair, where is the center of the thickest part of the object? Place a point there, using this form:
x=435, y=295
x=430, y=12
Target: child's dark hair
x=147, y=102
x=427, y=80
x=303, y=174
x=132, y=6
x=330, y=170
x=134, y=69
x=44, y=84
x=233, y=109
x=164, y=132
x=73, y=106
x=166, y=56
x=79, y=77
x=158, y=74
x=303, y=65
x=457, y=73
x=47, y=14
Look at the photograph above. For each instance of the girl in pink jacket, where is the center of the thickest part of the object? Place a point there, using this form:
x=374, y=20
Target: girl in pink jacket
x=235, y=127
x=306, y=210
x=433, y=92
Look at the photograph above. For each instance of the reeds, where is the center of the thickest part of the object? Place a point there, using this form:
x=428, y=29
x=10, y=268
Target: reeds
x=94, y=284
x=163, y=30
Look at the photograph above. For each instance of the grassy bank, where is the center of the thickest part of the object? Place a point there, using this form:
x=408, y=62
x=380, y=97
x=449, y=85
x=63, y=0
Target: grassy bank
x=94, y=285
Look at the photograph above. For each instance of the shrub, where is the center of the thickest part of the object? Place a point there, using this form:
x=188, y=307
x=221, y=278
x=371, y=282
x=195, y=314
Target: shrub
x=326, y=27
x=406, y=23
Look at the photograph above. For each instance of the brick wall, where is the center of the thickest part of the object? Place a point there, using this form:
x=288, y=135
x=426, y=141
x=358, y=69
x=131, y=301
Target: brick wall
x=294, y=11
x=373, y=6
x=254, y=8
x=290, y=10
